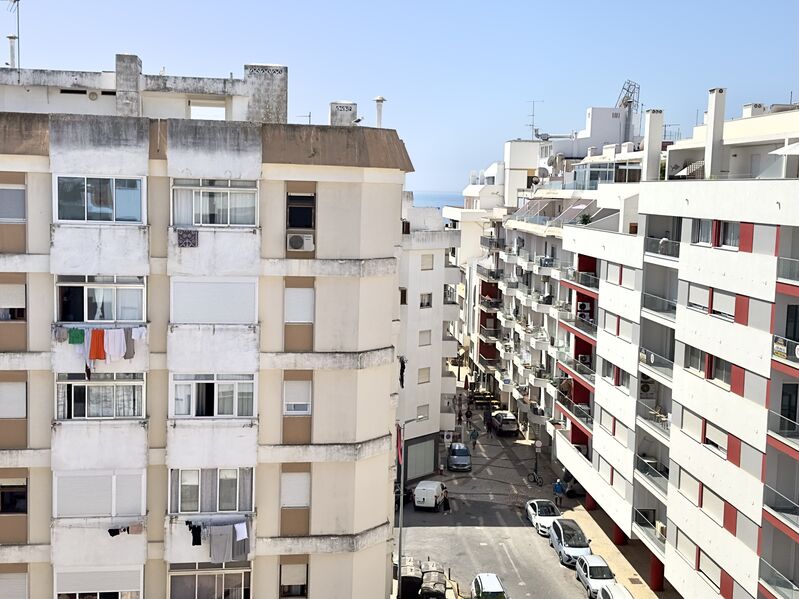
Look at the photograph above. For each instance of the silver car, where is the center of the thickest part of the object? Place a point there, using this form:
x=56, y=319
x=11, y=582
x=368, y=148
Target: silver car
x=593, y=573
x=459, y=458
x=567, y=539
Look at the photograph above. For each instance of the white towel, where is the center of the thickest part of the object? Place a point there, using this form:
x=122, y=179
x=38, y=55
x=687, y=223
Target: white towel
x=139, y=333
x=114, y=344
x=241, y=530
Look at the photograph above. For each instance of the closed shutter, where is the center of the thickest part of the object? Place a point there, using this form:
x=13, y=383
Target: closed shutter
x=716, y=436
x=423, y=376
x=613, y=273
x=129, y=495
x=213, y=302
x=99, y=581
x=628, y=277
x=686, y=546
x=625, y=329
x=425, y=337
x=296, y=397
x=299, y=304
x=698, y=296
x=713, y=505
x=606, y=419
x=611, y=321
x=724, y=303
x=14, y=586
x=427, y=261
x=689, y=486
x=710, y=569
x=604, y=469
x=620, y=484
x=83, y=495
x=12, y=296
x=295, y=489
x=13, y=400
x=293, y=574
x=692, y=425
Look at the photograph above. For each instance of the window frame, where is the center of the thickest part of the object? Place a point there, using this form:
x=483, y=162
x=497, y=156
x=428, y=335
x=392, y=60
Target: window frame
x=24, y=189
x=424, y=305
x=14, y=485
x=419, y=371
x=252, y=281
x=309, y=410
x=722, y=230
x=219, y=570
x=689, y=353
x=713, y=445
x=429, y=337
x=696, y=232
x=14, y=408
x=197, y=192
x=422, y=259
x=286, y=302
x=86, y=285
x=114, y=474
x=216, y=379
x=86, y=383
x=311, y=196
x=199, y=472
x=122, y=223
x=717, y=368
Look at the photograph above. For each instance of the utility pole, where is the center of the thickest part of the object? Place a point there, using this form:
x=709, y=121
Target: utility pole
x=402, y=502
x=532, y=117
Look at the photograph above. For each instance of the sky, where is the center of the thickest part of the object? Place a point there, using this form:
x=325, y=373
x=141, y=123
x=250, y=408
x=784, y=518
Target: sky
x=457, y=75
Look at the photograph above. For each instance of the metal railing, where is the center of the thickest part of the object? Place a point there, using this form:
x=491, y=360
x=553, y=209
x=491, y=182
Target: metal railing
x=785, y=349
x=649, y=528
x=489, y=333
x=782, y=425
x=654, y=470
x=490, y=273
x=490, y=303
x=586, y=279
x=489, y=363
x=490, y=242
x=546, y=262
x=511, y=283
x=785, y=506
x=662, y=246
x=584, y=370
x=580, y=411
x=785, y=587
x=788, y=268
x=581, y=324
x=654, y=414
x=665, y=307
x=523, y=254
x=656, y=362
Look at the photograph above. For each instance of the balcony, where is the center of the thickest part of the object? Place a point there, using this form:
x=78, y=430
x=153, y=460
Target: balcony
x=450, y=311
x=102, y=444
x=66, y=359
x=447, y=417
x=788, y=269
x=492, y=275
x=656, y=363
x=509, y=255
x=505, y=382
x=582, y=369
x=781, y=585
x=654, y=532
x=784, y=507
x=211, y=442
x=653, y=471
x=99, y=249
x=220, y=251
x=449, y=346
x=655, y=416
x=489, y=335
x=79, y=541
x=581, y=412
x=487, y=364
x=178, y=547
x=489, y=242
x=785, y=350
x=509, y=286
x=448, y=383
x=661, y=306
x=545, y=265
x=581, y=324
x=585, y=279
x=452, y=274
x=489, y=304
x=783, y=426
x=213, y=348
x=662, y=247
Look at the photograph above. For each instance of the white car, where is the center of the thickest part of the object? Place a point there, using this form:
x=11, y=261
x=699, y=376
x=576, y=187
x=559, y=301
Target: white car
x=567, y=539
x=505, y=423
x=614, y=591
x=593, y=573
x=429, y=494
x=488, y=586
x=542, y=513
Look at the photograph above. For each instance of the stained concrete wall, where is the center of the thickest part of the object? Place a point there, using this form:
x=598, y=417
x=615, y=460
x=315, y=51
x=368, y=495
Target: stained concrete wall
x=215, y=150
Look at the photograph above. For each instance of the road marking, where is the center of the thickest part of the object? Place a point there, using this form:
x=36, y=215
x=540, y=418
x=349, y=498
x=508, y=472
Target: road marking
x=483, y=544
x=510, y=560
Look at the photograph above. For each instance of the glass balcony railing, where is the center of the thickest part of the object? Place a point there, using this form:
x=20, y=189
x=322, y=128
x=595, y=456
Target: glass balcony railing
x=586, y=279
x=492, y=274
x=784, y=426
x=581, y=324
x=546, y=262
x=511, y=283
x=665, y=307
x=656, y=415
x=581, y=368
x=662, y=246
x=782, y=504
x=788, y=268
x=655, y=532
x=654, y=471
x=490, y=242
x=488, y=363
x=490, y=334
x=489, y=303
x=785, y=349
x=784, y=586
x=656, y=362
x=580, y=411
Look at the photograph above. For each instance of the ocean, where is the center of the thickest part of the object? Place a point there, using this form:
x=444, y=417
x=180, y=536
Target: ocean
x=437, y=199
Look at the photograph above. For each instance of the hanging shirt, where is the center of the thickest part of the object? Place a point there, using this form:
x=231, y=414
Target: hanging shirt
x=114, y=344
x=97, y=345
x=76, y=336
x=140, y=333
x=130, y=350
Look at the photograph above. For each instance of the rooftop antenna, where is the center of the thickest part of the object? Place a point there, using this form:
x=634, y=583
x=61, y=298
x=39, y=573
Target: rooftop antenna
x=532, y=117
x=13, y=6
x=305, y=116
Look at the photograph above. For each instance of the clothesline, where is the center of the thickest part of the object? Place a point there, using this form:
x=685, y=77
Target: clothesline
x=109, y=344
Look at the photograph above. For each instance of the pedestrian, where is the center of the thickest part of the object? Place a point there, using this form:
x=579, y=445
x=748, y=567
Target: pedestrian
x=445, y=502
x=490, y=427
x=559, y=491
x=473, y=436
x=460, y=418
x=469, y=418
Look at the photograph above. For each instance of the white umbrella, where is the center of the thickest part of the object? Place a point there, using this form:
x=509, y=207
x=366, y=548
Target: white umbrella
x=789, y=150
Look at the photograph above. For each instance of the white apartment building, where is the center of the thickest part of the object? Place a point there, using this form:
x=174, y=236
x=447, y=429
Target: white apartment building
x=428, y=307
x=198, y=379
x=653, y=302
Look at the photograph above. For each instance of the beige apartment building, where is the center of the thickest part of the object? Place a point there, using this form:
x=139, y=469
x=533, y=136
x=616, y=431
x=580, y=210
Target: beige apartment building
x=198, y=380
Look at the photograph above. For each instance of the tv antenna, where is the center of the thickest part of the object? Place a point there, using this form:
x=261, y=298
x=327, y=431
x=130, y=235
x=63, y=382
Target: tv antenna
x=305, y=116
x=532, y=117
x=13, y=6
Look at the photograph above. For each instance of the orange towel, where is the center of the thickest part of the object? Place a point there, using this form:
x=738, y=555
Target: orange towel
x=97, y=349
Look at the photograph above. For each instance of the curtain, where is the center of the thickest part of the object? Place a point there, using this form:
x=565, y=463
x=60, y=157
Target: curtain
x=100, y=303
x=242, y=208
x=61, y=401
x=245, y=489
x=245, y=392
x=128, y=399
x=129, y=304
x=189, y=490
x=730, y=234
x=174, y=491
x=101, y=401
x=224, y=399
x=183, y=400
x=227, y=489
x=182, y=207
x=208, y=490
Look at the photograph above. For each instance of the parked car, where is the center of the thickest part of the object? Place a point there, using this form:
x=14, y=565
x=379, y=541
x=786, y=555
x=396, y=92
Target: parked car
x=505, y=423
x=594, y=574
x=429, y=494
x=614, y=590
x=488, y=586
x=541, y=513
x=567, y=539
x=459, y=457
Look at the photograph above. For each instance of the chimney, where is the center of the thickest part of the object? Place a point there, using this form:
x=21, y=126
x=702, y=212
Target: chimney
x=379, y=110
x=343, y=113
x=653, y=143
x=715, y=130
x=266, y=86
x=128, y=81
x=12, y=51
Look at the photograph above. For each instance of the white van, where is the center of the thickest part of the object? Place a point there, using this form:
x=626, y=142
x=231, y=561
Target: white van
x=429, y=494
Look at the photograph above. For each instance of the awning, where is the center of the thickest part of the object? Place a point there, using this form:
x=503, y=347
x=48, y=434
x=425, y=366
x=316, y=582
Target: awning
x=789, y=150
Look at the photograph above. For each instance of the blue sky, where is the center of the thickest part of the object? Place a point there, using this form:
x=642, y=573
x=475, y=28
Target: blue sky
x=457, y=75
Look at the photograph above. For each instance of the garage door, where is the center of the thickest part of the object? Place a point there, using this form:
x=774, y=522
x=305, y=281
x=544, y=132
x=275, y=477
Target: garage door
x=421, y=460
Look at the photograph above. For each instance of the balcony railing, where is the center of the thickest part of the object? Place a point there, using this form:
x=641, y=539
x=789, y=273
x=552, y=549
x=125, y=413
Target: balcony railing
x=665, y=307
x=580, y=411
x=783, y=426
x=785, y=349
x=784, y=586
x=581, y=324
x=489, y=303
x=488, y=363
x=783, y=505
x=491, y=274
x=662, y=246
x=546, y=262
x=655, y=533
x=489, y=333
x=511, y=283
x=586, y=279
x=523, y=254
x=654, y=414
x=490, y=242
x=655, y=471
x=788, y=268
x=584, y=370
x=656, y=362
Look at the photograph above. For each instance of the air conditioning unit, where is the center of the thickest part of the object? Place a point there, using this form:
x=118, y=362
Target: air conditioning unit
x=645, y=378
x=646, y=389
x=584, y=315
x=584, y=358
x=583, y=306
x=299, y=242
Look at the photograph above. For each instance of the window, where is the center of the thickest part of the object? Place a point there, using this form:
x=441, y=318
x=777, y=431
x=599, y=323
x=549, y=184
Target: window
x=403, y=296
x=99, y=199
x=729, y=234
x=713, y=506
x=301, y=212
x=701, y=231
x=297, y=398
x=100, y=595
x=715, y=438
x=299, y=305
x=724, y=304
x=423, y=412
x=688, y=486
x=293, y=580
x=620, y=433
x=695, y=359
x=83, y=494
x=12, y=204
x=12, y=302
x=427, y=261
x=721, y=371
x=13, y=400
x=213, y=302
x=710, y=569
x=423, y=375
x=619, y=483
x=628, y=277
x=213, y=395
x=625, y=329
x=100, y=299
x=101, y=395
x=211, y=490
x=614, y=273
x=206, y=581
x=426, y=300
x=686, y=547
x=295, y=489
x=606, y=420
x=604, y=469
x=698, y=297
x=608, y=371
x=692, y=425
x=624, y=380
x=214, y=202
x=13, y=496
x=425, y=337
x=15, y=586
x=611, y=323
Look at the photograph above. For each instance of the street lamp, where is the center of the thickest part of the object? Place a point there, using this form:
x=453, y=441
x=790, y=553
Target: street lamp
x=402, y=501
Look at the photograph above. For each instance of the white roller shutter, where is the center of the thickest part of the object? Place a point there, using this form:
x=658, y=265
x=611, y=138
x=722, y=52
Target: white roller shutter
x=12, y=296
x=129, y=493
x=724, y=303
x=99, y=581
x=299, y=304
x=689, y=486
x=13, y=400
x=698, y=296
x=293, y=574
x=297, y=397
x=613, y=273
x=213, y=302
x=625, y=329
x=692, y=425
x=14, y=586
x=628, y=277
x=295, y=489
x=83, y=495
